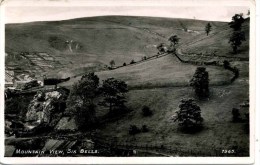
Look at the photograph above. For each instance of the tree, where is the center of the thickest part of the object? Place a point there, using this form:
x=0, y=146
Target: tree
x=174, y=40
x=200, y=82
x=114, y=93
x=237, y=21
x=189, y=114
x=237, y=36
x=208, y=28
x=112, y=63
x=81, y=100
x=236, y=40
x=87, y=88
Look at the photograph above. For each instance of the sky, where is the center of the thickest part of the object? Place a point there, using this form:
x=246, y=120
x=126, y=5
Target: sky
x=22, y=14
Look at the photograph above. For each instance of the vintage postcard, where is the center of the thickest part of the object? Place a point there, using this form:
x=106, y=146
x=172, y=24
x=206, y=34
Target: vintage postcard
x=126, y=82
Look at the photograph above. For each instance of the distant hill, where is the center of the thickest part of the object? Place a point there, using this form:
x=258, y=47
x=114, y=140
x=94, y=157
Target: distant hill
x=78, y=43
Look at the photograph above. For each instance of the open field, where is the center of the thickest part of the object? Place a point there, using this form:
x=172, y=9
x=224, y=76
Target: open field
x=162, y=72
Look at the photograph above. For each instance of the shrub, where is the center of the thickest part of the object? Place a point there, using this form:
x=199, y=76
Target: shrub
x=226, y=64
x=146, y=111
x=235, y=70
x=144, y=128
x=133, y=129
x=57, y=42
x=124, y=64
x=112, y=63
x=236, y=115
x=132, y=62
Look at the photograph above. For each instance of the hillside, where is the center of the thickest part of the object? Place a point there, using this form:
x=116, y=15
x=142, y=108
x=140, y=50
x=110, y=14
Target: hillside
x=218, y=43
x=78, y=43
x=219, y=131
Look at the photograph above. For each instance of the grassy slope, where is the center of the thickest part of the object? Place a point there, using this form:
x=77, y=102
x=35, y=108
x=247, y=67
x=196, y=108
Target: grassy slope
x=219, y=132
x=219, y=39
x=166, y=71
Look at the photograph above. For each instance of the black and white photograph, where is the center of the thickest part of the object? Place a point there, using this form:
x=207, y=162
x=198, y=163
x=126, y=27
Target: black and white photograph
x=126, y=80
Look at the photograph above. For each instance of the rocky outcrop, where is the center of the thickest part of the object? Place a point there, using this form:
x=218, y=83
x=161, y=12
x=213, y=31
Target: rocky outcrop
x=46, y=107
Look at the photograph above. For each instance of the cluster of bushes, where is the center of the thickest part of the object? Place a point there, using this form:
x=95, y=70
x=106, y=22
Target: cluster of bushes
x=133, y=129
